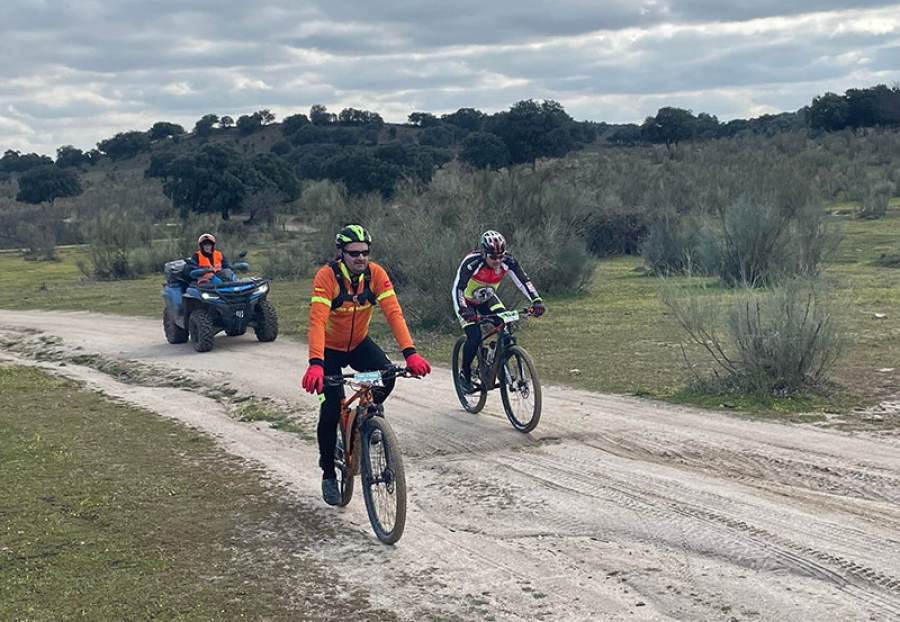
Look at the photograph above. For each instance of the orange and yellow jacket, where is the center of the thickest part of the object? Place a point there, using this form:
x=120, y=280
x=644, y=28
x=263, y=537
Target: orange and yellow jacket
x=344, y=327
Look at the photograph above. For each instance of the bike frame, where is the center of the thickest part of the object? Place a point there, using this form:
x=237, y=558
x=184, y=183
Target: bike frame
x=505, y=339
x=353, y=419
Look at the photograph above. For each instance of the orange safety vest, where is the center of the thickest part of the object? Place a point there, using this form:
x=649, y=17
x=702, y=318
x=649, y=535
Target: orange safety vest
x=204, y=262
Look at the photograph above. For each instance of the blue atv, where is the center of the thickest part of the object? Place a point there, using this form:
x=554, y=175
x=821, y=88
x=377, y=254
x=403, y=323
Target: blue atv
x=198, y=311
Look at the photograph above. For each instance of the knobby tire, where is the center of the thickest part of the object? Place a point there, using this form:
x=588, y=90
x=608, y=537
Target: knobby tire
x=520, y=389
x=383, y=480
x=471, y=402
x=342, y=468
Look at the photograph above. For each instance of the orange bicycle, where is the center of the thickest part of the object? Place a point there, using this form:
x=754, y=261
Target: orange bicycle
x=367, y=446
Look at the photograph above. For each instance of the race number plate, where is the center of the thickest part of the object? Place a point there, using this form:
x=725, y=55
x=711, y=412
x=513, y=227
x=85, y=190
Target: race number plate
x=509, y=316
x=371, y=378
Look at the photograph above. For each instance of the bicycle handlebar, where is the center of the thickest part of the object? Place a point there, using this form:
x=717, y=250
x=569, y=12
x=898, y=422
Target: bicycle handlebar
x=488, y=318
x=360, y=378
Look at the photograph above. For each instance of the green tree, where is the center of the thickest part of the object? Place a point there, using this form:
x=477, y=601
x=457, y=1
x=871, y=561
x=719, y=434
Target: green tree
x=125, y=145
x=361, y=172
x=205, y=124
x=68, y=156
x=293, y=123
x=248, y=124
x=276, y=172
x=828, y=112
x=534, y=130
x=265, y=116
x=468, y=119
x=422, y=119
x=485, y=150
x=352, y=116
x=706, y=126
x=319, y=115
x=436, y=136
x=225, y=122
x=160, y=164
x=214, y=179
x=670, y=126
x=626, y=135
x=15, y=162
x=48, y=183
x=163, y=129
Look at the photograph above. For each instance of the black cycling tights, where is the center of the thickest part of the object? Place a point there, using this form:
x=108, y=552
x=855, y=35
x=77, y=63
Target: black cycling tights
x=367, y=356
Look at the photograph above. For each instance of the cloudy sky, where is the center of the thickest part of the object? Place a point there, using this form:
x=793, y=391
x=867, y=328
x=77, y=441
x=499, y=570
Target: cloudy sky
x=77, y=72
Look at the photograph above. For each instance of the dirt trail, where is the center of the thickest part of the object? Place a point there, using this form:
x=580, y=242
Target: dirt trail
x=612, y=509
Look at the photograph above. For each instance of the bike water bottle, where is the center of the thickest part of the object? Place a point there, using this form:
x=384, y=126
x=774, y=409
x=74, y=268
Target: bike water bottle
x=490, y=352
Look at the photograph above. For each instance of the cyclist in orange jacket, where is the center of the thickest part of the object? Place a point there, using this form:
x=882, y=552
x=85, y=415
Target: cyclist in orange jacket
x=345, y=292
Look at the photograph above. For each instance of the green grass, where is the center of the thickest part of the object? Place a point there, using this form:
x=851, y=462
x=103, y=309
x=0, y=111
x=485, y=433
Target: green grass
x=108, y=512
x=617, y=338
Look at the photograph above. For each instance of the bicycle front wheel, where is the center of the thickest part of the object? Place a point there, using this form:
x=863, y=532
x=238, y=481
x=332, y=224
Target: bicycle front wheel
x=472, y=402
x=342, y=467
x=520, y=389
x=383, y=480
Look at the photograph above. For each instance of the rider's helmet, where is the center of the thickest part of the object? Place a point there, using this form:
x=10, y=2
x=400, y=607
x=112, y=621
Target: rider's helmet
x=352, y=233
x=493, y=243
x=206, y=237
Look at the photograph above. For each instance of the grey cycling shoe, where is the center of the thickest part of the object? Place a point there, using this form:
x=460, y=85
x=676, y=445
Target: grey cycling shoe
x=330, y=492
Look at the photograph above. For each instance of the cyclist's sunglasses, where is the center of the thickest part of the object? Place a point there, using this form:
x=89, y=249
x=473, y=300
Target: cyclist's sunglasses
x=364, y=253
x=493, y=256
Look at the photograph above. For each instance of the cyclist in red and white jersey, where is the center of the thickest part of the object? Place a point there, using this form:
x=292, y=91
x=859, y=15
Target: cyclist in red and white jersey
x=475, y=292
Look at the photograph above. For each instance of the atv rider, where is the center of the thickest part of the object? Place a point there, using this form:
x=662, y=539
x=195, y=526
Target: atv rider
x=474, y=292
x=345, y=292
x=206, y=257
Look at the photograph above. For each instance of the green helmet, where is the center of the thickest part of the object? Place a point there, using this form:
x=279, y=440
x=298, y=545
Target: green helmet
x=352, y=233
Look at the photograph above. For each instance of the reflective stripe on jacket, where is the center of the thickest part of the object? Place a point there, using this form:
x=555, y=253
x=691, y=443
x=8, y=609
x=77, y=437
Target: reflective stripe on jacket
x=346, y=326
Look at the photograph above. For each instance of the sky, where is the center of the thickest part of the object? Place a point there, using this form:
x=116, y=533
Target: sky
x=78, y=72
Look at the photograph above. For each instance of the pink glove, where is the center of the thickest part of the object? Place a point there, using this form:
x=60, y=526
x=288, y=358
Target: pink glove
x=313, y=379
x=418, y=365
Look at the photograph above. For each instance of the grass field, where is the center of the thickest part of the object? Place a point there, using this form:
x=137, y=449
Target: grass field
x=617, y=338
x=112, y=513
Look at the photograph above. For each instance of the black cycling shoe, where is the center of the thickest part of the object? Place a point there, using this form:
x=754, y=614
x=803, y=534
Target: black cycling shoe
x=330, y=492
x=466, y=385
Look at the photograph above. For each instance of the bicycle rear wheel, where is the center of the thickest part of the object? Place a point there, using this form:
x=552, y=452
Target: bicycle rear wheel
x=472, y=402
x=342, y=467
x=383, y=480
x=520, y=389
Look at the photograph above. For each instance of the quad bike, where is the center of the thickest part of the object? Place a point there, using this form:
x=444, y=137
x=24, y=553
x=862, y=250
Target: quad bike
x=199, y=310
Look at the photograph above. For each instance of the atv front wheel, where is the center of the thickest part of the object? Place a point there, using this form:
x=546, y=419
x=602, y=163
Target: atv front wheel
x=174, y=332
x=266, y=321
x=203, y=333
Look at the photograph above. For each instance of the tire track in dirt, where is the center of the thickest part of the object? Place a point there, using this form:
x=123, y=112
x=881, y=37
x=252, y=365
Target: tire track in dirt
x=614, y=508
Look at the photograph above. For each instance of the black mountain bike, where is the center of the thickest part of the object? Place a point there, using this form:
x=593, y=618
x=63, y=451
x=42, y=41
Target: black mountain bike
x=367, y=446
x=504, y=364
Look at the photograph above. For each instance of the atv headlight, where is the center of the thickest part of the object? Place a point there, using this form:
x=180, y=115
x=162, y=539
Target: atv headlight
x=263, y=288
x=208, y=296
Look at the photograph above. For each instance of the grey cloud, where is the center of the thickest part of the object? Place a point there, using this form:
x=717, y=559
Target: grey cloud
x=83, y=63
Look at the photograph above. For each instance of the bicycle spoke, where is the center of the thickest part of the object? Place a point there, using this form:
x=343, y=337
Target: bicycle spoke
x=384, y=481
x=520, y=390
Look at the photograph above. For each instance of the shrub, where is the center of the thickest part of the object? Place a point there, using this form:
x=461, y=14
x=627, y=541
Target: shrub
x=677, y=244
x=764, y=244
x=876, y=200
x=780, y=340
